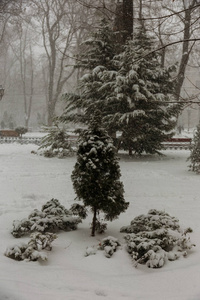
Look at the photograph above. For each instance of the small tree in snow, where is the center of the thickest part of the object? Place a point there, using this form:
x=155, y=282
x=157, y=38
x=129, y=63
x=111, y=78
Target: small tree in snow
x=21, y=130
x=96, y=173
x=56, y=142
x=195, y=153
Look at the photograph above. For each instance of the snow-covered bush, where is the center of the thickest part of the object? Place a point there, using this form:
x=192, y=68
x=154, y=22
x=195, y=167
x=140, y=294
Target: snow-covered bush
x=154, y=238
x=194, y=157
x=52, y=217
x=56, y=143
x=21, y=130
x=33, y=250
x=90, y=251
x=109, y=245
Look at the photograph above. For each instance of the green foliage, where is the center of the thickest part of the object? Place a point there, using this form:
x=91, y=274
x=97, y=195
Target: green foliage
x=21, y=130
x=96, y=173
x=194, y=157
x=141, y=98
x=100, y=226
x=96, y=57
x=56, y=142
x=99, y=49
x=79, y=210
x=52, y=218
x=132, y=90
x=109, y=245
x=154, y=238
x=34, y=249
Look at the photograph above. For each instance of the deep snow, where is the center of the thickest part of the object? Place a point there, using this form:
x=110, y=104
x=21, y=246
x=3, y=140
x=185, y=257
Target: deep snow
x=27, y=181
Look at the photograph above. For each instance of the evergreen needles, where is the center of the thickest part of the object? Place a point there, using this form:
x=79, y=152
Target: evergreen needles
x=130, y=87
x=96, y=173
x=194, y=157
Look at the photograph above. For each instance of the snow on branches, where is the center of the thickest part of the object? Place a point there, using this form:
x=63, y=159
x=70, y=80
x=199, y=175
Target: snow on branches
x=52, y=217
x=34, y=249
x=154, y=238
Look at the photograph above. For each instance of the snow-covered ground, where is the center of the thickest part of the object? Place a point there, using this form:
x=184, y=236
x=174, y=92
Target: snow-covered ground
x=27, y=181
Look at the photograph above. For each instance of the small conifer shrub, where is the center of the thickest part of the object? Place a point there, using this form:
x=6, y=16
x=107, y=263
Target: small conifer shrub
x=56, y=143
x=34, y=250
x=194, y=157
x=21, y=130
x=109, y=245
x=52, y=218
x=154, y=238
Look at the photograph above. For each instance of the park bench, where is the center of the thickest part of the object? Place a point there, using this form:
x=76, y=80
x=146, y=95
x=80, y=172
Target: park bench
x=9, y=133
x=178, y=143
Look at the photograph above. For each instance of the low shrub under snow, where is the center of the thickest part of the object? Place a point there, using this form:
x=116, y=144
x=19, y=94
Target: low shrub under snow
x=154, y=238
x=109, y=245
x=52, y=217
x=33, y=250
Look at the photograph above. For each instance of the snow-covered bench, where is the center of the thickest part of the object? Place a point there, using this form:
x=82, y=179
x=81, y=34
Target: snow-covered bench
x=178, y=143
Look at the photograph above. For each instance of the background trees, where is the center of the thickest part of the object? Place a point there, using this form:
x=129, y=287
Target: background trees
x=63, y=32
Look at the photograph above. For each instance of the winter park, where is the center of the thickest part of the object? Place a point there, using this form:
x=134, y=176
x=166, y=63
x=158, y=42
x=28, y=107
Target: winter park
x=99, y=150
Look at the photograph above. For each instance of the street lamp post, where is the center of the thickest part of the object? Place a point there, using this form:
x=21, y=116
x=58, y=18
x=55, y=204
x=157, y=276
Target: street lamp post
x=1, y=92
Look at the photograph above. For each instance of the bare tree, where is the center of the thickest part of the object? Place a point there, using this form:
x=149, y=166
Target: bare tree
x=23, y=52
x=186, y=46
x=8, y=8
x=59, y=26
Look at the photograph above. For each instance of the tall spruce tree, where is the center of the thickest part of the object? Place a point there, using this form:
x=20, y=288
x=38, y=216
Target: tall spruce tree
x=96, y=58
x=132, y=90
x=194, y=157
x=141, y=97
x=96, y=175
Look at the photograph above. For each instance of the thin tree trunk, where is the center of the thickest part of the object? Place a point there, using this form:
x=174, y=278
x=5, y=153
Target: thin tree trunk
x=130, y=151
x=185, y=51
x=128, y=19
x=94, y=222
x=123, y=23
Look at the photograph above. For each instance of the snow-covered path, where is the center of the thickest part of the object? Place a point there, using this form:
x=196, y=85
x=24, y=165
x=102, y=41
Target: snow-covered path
x=27, y=181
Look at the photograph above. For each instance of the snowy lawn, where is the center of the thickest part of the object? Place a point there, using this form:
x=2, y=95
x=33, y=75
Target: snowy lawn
x=28, y=181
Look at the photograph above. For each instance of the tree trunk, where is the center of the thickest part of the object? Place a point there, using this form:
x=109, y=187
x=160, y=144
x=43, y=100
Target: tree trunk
x=51, y=112
x=130, y=151
x=118, y=23
x=128, y=19
x=124, y=20
x=94, y=222
x=185, y=52
x=141, y=15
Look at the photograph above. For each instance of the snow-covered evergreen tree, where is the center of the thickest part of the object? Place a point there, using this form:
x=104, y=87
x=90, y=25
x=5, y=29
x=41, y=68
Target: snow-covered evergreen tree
x=141, y=97
x=95, y=59
x=56, y=142
x=194, y=157
x=100, y=48
x=96, y=173
x=132, y=90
